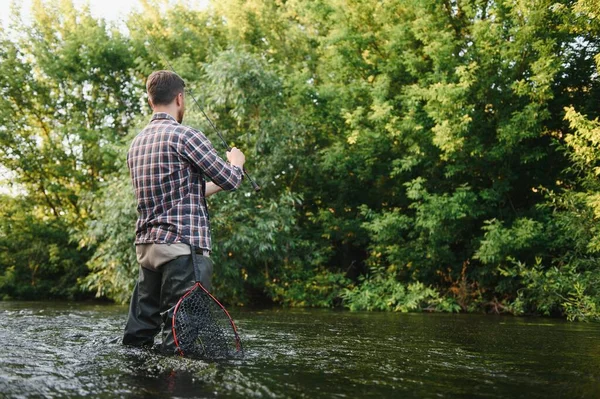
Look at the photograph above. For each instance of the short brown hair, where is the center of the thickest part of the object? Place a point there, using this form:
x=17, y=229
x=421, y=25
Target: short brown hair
x=163, y=87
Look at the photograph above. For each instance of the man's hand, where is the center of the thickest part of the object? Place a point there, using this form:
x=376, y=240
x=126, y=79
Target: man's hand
x=236, y=157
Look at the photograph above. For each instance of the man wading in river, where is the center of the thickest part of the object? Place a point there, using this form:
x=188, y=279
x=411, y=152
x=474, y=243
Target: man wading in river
x=168, y=163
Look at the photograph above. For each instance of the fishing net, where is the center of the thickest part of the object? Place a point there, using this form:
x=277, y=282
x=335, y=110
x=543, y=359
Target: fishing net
x=203, y=328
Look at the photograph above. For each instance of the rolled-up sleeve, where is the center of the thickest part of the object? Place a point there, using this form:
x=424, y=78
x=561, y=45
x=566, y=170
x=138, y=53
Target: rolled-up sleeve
x=199, y=151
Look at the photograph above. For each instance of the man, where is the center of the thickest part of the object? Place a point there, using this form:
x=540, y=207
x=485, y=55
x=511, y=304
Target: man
x=168, y=163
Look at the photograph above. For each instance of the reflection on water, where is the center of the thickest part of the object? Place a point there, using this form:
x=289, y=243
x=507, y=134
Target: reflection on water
x=73, y=350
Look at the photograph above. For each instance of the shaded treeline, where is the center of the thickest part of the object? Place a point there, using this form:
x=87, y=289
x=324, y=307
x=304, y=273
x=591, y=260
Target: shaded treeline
x=438, y=155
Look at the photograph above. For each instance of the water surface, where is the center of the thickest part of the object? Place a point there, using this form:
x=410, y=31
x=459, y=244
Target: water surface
x=72, y=350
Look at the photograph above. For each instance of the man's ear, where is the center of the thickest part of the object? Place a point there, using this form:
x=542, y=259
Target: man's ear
x=150, y=103
x=179, y=99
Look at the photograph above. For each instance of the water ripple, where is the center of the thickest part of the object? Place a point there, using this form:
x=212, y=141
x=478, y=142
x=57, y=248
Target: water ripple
x=73, y=350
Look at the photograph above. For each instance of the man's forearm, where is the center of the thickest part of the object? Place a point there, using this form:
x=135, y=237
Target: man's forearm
x=212, y=188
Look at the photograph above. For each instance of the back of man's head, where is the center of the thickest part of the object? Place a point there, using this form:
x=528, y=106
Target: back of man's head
x=163, y=87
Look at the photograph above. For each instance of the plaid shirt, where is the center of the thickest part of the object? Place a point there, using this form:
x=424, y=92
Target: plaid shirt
x=168, y=162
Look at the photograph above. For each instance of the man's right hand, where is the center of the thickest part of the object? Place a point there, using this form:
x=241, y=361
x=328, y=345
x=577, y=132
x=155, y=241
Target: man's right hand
x=236, y=157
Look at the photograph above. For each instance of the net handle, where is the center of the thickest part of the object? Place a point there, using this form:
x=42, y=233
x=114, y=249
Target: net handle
x=195, y=264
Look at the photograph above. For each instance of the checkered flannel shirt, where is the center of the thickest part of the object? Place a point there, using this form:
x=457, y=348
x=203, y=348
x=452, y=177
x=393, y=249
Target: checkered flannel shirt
x=167, y=162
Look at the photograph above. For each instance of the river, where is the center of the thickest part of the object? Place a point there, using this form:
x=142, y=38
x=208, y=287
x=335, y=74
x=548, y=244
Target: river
x=71, y=350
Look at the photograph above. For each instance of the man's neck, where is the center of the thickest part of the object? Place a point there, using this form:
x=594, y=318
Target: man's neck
x=167, y=110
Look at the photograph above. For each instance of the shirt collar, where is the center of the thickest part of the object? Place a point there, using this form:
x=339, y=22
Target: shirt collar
x=162, y=115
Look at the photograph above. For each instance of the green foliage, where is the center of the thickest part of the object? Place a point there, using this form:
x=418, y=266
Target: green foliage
x=67, y=96
x=414, y=155
x=500, y=243
x=579, y=306
x=384, y=292
x=299, y=286
x=37, y=258
x=109, y=234
x=555, y=290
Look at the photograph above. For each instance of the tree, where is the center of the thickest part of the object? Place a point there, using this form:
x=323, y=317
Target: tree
x=67, y=95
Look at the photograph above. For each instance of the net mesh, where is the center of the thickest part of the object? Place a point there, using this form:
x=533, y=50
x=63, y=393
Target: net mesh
x=203, y=328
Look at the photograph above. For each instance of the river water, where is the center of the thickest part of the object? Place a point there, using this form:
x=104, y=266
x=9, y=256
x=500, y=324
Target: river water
x=62, y=350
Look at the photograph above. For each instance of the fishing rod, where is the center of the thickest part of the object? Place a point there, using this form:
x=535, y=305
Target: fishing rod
x=255, y=186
